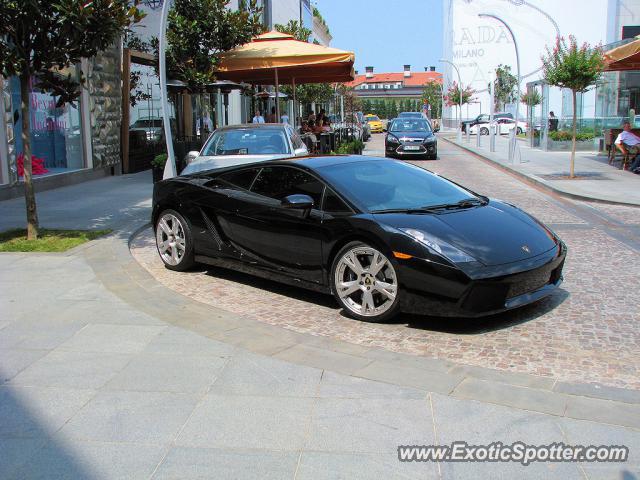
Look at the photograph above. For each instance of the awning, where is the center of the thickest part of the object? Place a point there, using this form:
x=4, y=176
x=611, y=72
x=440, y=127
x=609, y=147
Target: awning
x=256, y=62
x=624, y=57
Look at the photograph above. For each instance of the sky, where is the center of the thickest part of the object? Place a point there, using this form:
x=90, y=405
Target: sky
x=386, y=34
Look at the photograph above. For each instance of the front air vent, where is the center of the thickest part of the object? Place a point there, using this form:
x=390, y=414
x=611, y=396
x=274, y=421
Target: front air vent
x=212, y=229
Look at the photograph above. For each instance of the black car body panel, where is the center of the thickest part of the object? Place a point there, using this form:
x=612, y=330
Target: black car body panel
x=516, y=259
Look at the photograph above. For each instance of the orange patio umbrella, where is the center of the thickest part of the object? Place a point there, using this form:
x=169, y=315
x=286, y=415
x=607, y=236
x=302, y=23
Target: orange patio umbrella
x=273, y=58
x=624, y=57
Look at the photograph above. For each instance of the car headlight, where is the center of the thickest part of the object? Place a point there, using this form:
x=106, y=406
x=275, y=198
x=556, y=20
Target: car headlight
x=439, y=246
x=430, y=140
x=392, y=139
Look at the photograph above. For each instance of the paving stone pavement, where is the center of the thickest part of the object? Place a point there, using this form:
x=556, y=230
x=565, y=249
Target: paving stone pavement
x=111, y=391
x=107, y=373
x=586, y=332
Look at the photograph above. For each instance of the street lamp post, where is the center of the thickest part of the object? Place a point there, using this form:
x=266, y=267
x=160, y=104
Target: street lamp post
x=170, y=169
x=442, y=60
x=513, y=142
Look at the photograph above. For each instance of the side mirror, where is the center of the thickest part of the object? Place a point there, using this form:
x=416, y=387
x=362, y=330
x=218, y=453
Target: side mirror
x=298, y=201
x=191, y=156
x=300, y=151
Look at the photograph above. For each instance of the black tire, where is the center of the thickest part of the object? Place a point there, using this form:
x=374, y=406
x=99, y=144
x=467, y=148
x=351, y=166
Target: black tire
x=519, y=131
x=432, y=157
x=186, y=260
x=484, y=131
x=392, y=310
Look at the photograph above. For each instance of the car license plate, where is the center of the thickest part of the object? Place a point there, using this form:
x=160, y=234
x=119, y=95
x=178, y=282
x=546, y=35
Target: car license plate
x=412, y=147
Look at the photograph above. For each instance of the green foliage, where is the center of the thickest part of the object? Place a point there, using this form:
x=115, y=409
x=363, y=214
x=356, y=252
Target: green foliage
x=504, y=86
x=452, y=98
x=572, y=66
x=296, y=29
x=347, y=148
x=40, y=37
x=564, y=136
x=432, y=94
x=48, y=241
x=531, y=99
x=199, y=30
x=159, y=160
x=316, y=13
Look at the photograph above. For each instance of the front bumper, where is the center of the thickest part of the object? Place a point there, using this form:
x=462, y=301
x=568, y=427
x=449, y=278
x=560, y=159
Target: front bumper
x=400, y=151
x=431, y=289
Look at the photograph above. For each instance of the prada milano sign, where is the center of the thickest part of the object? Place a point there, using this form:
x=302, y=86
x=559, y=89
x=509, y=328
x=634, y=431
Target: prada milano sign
x=478, y=45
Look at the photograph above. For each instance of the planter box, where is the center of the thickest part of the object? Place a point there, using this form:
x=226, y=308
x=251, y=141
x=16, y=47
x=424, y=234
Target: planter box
x=157, y=174
x=565, y=145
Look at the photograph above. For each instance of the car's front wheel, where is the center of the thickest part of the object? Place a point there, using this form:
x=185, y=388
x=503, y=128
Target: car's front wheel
x=484, y=131
x=365, y=283
x=174, y=241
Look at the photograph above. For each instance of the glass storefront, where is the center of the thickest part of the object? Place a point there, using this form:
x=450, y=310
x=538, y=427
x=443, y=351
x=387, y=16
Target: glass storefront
x=56, y=133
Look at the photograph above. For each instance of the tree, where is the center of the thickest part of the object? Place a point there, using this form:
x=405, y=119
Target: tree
x=392, y=109
x=199, y=30
x=575, y=68
x=504, y=87
x=39, y=38
x=296, y=29
x=432, y=94
x=452, y=98
x=366, y=105
x=531, y=99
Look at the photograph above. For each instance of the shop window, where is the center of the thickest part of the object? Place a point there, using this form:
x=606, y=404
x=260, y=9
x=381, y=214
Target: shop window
x=55, y=131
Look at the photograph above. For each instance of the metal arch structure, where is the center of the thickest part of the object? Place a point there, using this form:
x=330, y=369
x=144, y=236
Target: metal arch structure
x=170, y=169
x=442, y=60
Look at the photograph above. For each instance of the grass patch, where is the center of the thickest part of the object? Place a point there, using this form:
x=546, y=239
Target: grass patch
x=48, y=240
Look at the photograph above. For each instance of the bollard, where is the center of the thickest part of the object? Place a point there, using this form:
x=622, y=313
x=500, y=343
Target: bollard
x=478, y=139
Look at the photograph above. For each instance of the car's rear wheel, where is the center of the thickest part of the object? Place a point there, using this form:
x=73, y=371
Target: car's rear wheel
x=519, y=131
x=365, y=283
x=484, y=131
x=174, y=241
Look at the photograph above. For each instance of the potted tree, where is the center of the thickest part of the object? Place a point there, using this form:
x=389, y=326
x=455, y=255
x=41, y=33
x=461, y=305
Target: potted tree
x=157, y=166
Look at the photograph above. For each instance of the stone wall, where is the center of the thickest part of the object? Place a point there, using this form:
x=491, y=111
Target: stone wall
x=104, y=80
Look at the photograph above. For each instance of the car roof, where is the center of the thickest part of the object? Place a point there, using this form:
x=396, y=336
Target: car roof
x=245, y=126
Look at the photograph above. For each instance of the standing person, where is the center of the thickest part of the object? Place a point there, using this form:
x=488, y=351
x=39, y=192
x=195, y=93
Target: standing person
x=284, y=118
x=257, y=118
x=312, y=116
x=553, y=122
x=271, y=118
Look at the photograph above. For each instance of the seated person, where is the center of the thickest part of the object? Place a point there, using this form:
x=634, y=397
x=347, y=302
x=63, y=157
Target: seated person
x=307, y=126
x=326, y=127
x=318, y=128
x=629, y=143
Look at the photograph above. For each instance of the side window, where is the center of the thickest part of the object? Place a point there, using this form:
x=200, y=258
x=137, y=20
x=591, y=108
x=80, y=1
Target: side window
x=334, y=205
x=280, y=182
x=240, y=179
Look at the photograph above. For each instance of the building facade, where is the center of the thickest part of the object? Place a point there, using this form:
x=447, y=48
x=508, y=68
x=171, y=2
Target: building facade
x=396, y=85
x=478, y=45
x=74, y=142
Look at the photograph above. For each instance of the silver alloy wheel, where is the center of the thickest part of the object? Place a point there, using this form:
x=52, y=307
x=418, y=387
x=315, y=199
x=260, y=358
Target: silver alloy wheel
x=170, y=239
x=366, y=281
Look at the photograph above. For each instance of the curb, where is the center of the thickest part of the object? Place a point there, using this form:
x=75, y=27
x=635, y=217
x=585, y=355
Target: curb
x=120, y=273
x=539, y=183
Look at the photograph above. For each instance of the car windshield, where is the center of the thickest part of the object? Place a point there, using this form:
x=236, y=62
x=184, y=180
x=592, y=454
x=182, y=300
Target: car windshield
x=247, y=141
x=410, y=115
x=410, y=125
x=372, y=119
x=392, y=185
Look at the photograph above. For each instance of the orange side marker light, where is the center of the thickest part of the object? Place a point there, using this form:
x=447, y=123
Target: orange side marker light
x=402, y=256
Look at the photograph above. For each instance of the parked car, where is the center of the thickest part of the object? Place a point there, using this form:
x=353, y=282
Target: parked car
x=249, y=143
x=360, y=128
x=502, y=126
x=484, y=118
x=410, y=138
x=374, y=122
x=382, y=236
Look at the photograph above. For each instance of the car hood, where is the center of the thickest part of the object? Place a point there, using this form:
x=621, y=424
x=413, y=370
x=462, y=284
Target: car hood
x=210, y=163
x=418, y=134
x=493, y=234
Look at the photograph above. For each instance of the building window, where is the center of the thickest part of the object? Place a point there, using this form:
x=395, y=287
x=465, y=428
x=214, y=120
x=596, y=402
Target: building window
x=56, y=135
